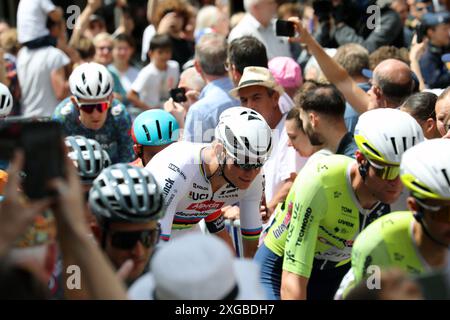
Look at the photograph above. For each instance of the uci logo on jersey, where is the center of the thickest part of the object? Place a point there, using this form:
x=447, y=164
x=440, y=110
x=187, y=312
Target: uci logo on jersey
x=198, y=196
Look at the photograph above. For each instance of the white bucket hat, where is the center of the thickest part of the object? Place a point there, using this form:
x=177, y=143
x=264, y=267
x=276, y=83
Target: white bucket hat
x=257, y=76
x=198, y=267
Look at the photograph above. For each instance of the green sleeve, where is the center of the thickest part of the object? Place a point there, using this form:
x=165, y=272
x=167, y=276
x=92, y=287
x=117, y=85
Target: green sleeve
x=310, y=207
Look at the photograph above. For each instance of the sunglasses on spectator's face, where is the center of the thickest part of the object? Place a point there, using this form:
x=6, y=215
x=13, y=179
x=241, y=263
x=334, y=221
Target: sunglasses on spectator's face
x=385, y=172
x=127, y=240
x=437, y=213
x=90, y=107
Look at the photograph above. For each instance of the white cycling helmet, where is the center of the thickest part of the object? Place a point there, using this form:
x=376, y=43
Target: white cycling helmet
x=425, y=169
x=91, y=81
x=6, y=101
x=245, y=134
x=124, y=193
x=385, y=134
x=88, y=157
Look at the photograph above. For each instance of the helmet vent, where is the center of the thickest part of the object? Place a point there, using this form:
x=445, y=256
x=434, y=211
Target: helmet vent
x=418, y=185
x=2, y=102
x=170, y=129
x=414, y=140
x=158, y=127
x=79, y=91
x=107, y=88
x=394, y=145
x=444, y=172
x=88, y=90
x=404, y=144
x=370, y=148
x=147, y=134
x=83, y=77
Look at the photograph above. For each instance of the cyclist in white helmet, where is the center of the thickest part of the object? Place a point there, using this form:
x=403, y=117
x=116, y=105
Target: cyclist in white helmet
x=198, y=180
x=308, y=247
x=127, y=204
x=416, y=241
x=92, y=112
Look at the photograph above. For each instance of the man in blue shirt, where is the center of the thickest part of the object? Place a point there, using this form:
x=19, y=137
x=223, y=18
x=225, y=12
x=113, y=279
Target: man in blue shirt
x=203, y=116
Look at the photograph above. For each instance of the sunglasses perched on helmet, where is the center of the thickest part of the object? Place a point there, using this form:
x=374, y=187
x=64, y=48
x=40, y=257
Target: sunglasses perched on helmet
x=247, y=166
x=385, y=172
x=437, y=213
x=127, y=240
x=89, y=107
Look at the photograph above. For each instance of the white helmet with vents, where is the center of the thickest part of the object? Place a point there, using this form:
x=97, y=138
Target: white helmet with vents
x=91, y=81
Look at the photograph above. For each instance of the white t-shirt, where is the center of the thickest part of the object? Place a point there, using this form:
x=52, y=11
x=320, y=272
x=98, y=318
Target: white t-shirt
x=153, y=85
x=275, y=46
x=128, y=77
x=283, y=161
x=32, y=19
x=149, y=32
x=34, y=68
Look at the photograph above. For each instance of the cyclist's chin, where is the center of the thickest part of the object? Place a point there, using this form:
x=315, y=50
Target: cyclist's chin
x=389, y=197
x=242, y=183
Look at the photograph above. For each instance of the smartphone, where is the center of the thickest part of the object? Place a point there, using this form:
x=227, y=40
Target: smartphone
x=284, y=28
x=178, y=95
x=419, y=33
x=42, y=143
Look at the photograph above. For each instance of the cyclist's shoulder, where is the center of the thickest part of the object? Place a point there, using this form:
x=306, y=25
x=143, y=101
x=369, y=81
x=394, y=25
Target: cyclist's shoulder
x=64, y=109
x=118, y=110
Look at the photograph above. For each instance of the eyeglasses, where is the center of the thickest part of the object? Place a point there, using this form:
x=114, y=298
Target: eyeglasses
x=89, y=107
x=385, y=172
x=247, y=166
x=437, y=213
x=105, y=48
x=128, y=240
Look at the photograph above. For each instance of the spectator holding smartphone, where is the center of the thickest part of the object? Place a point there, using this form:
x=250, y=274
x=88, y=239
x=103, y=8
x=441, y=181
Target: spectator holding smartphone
x=92, y=112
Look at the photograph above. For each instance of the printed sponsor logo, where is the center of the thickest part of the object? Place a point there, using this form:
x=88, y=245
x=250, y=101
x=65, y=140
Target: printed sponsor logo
x=168, y=186
x=284, y=225
x=346, y=210
x=346, y=223
x=343, y=241
x=305, y=222
x=196, y=186
x=177, y=170
x=206, y=206
x=198, y=196
x=337, y=194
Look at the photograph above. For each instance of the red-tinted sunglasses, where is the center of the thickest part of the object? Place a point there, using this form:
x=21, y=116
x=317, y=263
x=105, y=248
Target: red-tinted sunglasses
x=89, y=107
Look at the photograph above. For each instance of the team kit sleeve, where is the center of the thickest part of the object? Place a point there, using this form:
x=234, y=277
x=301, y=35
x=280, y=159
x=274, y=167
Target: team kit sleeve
x=308, y=210
x=125, y=142
x=173, y=184
x=250, y=216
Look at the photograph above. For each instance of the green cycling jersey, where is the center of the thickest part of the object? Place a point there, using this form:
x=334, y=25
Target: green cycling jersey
x=320, y=217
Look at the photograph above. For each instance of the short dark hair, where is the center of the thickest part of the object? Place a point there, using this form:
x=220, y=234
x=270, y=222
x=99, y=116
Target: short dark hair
x=396, y=93
x=247, y=51
x=17, y=283
x=421, y=105
x=125, y=38
x=161, y=41
x=322, y=98
x=294, y=114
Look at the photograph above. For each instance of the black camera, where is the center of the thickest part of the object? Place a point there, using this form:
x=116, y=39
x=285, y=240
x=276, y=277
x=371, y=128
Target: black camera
x=284, y=28
x=178, y=95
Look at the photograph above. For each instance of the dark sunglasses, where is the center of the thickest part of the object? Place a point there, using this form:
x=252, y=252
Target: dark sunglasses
x=89, y=107
x=385, y=172
x=248, y=166
x=128, y=240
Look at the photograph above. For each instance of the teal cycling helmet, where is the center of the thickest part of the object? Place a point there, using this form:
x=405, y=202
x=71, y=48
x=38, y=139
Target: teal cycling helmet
x=155, y=128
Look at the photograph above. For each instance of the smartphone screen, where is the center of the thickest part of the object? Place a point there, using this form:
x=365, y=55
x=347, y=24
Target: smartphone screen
x=178, y=95
x=284, y=28
x=44, y=157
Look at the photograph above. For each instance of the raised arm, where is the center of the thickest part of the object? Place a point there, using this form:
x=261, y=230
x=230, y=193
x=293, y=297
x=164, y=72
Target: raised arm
x=83, y=20
x=334, y=72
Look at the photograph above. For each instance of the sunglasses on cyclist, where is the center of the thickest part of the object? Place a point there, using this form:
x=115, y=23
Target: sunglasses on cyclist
x=247, y=166
x=437, y=213
x=385, y=172
x=127, y=240
x=89, y=107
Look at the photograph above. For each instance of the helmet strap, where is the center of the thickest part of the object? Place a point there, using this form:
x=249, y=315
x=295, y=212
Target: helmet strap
x=419, y=215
